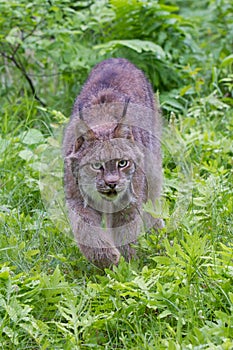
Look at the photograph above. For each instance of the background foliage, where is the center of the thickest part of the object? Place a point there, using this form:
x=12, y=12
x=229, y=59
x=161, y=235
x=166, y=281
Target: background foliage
x=178, y=294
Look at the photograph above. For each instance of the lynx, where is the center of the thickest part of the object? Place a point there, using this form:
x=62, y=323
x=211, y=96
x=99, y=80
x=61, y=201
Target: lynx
x=112, y=161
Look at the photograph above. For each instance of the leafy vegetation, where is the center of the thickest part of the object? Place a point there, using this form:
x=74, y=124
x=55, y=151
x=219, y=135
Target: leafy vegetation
x=178, y=294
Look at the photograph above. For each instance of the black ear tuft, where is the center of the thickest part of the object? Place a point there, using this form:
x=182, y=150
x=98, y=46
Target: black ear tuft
x=125, y=107
x=123, y=130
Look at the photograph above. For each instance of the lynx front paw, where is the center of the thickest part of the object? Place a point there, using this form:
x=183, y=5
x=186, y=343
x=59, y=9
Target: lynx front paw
x=106, y=257
x=101, y=257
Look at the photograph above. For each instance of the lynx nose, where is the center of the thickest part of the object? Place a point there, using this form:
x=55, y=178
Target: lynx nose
x=111, y=181
x=111, y=185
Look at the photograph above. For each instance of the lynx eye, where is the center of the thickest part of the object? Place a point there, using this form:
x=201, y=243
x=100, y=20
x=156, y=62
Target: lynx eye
x=97, y=166
x=123, y=163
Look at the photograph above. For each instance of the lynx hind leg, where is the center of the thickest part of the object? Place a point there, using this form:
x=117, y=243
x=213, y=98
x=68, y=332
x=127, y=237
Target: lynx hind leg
x=101, y=257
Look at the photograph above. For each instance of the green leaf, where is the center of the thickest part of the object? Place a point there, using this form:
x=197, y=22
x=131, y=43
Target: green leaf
x=32, y=136
x=137, y=45
x=31, y=253
x=164, y=314
x=14, y=36
x=227, y=61
x=5, y=273
x=26, y=154
x=3, y=145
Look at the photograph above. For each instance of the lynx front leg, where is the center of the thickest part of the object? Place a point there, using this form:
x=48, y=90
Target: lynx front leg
x=96, y=244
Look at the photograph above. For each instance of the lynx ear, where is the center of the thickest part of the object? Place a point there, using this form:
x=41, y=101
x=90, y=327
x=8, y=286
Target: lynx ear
x=78, y=143
x=83, y=133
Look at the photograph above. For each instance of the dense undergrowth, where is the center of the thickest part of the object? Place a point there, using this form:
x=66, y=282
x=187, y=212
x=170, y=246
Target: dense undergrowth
x=178, y=294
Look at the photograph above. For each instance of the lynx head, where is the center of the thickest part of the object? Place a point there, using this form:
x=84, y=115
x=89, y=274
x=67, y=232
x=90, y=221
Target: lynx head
x=105, y=163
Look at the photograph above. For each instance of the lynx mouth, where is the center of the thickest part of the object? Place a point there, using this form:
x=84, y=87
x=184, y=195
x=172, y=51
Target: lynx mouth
x=109, y=195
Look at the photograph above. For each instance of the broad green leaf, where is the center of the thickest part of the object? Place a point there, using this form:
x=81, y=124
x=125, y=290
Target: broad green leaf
x=32, y=136
x=135, y=44
x=227, y=61
x=26, y=154
x=3, y=145
x=14, y=36
x=164, y=314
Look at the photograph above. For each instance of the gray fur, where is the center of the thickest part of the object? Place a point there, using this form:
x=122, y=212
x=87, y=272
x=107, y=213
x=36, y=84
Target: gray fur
x=112, y=160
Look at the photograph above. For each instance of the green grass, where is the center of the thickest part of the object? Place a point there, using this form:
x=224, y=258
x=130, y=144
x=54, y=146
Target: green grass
x=178, y=293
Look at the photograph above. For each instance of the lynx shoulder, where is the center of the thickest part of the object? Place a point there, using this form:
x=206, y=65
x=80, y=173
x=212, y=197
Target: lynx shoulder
x=112, y=161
